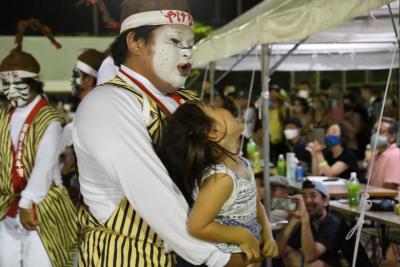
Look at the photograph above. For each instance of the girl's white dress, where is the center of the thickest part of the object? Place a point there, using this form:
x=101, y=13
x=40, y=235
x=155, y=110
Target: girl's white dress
x=241, y=207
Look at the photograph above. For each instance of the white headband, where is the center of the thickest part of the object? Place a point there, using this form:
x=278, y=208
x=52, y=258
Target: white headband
x=82, y=66
x=159, y=17
x=13, y=74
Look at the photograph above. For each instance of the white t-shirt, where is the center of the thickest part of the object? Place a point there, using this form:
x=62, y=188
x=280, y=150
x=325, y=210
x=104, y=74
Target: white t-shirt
x=41, y=175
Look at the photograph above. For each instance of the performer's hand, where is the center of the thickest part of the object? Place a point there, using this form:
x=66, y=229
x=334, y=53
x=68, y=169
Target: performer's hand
x=27, y=219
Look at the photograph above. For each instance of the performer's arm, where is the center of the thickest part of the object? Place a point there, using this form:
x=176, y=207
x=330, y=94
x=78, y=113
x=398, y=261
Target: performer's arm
x=111, y=129
x=40, y=179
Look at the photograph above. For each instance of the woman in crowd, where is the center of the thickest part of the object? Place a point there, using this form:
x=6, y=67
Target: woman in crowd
x=337, y=160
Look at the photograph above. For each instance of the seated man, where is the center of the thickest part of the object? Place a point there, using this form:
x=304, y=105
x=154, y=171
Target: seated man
x=386, y=168
x=313, y=236
x=279, y=189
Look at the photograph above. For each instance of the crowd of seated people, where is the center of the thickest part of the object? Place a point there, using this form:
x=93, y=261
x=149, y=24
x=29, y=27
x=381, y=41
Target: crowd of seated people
x=345, y=118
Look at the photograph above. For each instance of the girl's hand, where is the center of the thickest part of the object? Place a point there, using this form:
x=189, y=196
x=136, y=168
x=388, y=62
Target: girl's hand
x=251, y=248
x=270, y=248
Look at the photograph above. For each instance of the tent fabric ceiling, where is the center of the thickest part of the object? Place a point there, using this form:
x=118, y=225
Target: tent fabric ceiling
x=321, y=57
x=277, y=21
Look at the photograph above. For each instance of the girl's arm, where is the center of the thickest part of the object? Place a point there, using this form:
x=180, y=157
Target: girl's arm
x=270, y=249
x=214, y=191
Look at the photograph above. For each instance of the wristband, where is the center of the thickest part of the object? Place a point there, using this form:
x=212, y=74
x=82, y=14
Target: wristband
x=323, y=164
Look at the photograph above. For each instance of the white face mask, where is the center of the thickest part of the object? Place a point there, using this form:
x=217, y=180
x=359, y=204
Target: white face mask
x=172, y=59
x=380, y=140
x=303, y=94
x=291, y=133
x=17, y=91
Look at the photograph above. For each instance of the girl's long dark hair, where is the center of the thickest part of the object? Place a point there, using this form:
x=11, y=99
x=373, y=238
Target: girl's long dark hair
x=185, y=148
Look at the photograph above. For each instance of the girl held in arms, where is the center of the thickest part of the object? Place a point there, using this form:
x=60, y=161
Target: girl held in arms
x=200, y=148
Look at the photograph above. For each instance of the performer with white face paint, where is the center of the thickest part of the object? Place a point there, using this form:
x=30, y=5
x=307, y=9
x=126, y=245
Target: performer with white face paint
x=84, y=79
x=37, y=219
x=133, y=213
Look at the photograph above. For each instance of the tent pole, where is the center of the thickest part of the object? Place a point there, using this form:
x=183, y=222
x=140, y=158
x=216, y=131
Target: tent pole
x=95, y=12
x=194, y=79
x=265, y=59
x=283, y=58
x=398, y=47
x=212, y=82
x=220, y=78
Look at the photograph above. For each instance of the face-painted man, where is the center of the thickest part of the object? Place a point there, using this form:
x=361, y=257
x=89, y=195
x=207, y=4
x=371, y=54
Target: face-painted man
x=17, y=90
x=17, y=84
x=27, y=155
x=386, y=168
x=85, y=72
x=117, y=127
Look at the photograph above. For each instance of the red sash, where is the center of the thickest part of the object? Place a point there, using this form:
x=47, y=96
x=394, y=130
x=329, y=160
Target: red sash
x=18, y=168
x=175, y=96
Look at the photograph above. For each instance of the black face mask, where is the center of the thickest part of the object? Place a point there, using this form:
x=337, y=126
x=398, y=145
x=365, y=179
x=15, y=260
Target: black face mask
x=347, y=107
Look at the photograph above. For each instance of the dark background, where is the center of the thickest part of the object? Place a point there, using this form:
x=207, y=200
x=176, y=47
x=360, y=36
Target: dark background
x=69, y=17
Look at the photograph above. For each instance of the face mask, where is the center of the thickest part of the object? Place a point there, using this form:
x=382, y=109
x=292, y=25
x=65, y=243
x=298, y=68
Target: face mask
x=172, y=59
x=334, y=103
x=303, y=94
x=380, y=140
x=333, y=140
x=291, y=133
x=17, y=91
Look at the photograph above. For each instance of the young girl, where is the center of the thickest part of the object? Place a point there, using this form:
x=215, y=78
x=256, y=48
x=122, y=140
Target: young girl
x=200, y=147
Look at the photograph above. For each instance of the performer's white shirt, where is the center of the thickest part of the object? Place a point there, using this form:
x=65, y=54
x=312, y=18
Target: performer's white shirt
x=116, y=159
x=41, y=175
x=107, y=70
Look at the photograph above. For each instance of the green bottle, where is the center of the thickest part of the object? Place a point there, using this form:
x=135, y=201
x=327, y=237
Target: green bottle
x=251, y=149
x=353, y=193
x=281, y=165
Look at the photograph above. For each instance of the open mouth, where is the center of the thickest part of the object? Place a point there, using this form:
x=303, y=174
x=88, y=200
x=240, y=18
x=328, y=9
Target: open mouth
x=184, y=69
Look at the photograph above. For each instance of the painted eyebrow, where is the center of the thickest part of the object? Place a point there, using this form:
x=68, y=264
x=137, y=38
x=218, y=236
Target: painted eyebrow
x=181, y=34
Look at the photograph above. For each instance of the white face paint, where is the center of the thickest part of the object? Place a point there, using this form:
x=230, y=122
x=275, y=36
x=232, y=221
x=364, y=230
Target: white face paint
x=172, y=59
x=76, y=81
x=17, y=91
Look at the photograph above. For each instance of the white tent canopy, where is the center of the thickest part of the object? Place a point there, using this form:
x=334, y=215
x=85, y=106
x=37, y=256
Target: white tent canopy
x=319, y=57
x=367, y=42
x=277, y=21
